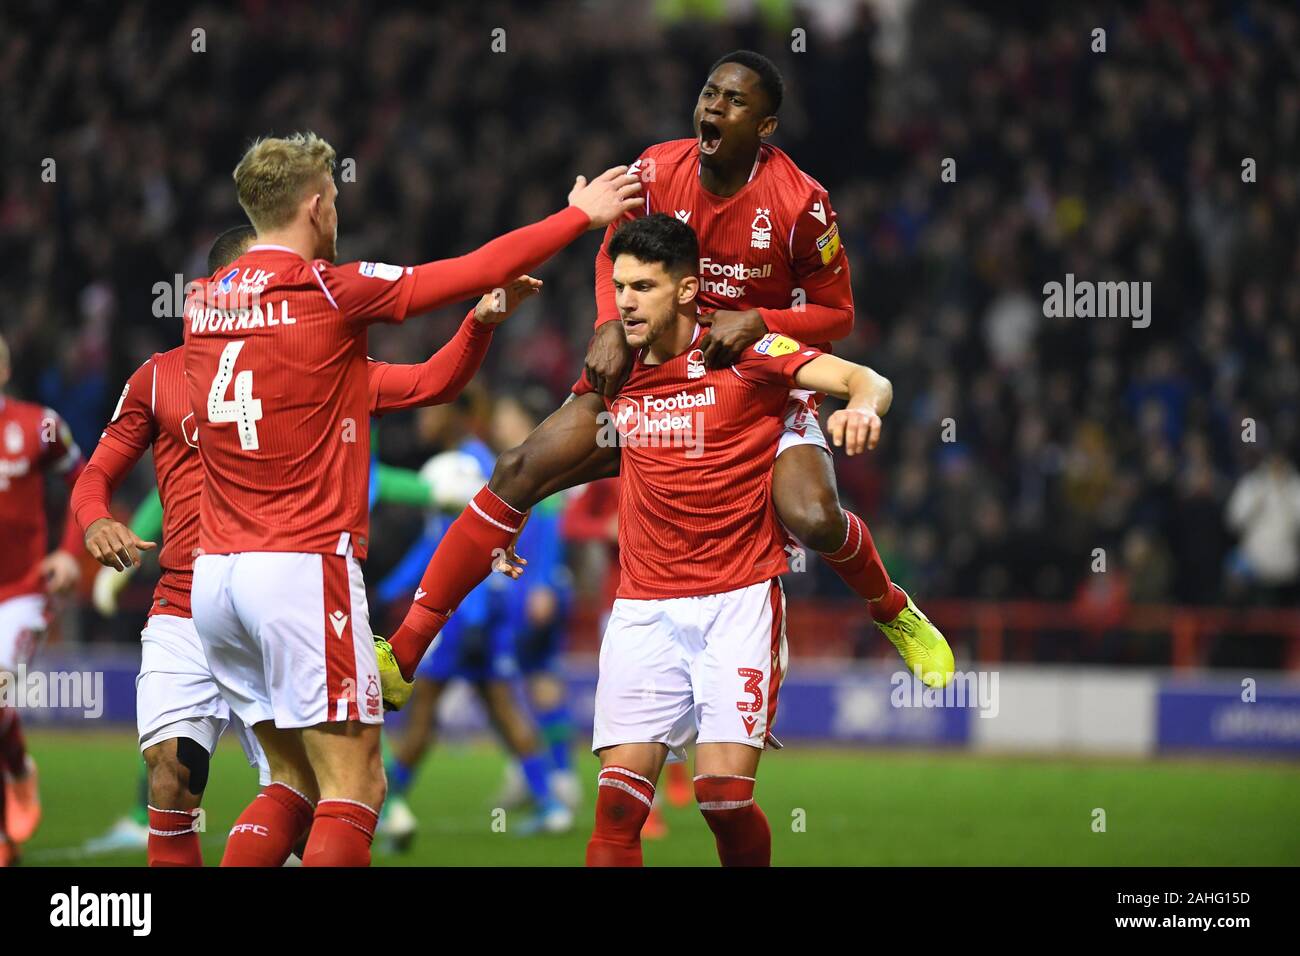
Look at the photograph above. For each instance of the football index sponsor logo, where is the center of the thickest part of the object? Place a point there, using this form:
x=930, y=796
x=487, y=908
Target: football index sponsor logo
x=673, y=421
x=725, y=272
x=77, y=909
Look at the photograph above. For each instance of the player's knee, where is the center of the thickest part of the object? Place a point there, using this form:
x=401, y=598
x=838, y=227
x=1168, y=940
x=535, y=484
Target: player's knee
x=511, y=480
x=177, y=775
x=195, y=759
x=815, y=519
x=370, y=784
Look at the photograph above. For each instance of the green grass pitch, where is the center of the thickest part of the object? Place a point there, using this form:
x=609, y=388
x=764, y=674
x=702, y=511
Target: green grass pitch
x=826, y=807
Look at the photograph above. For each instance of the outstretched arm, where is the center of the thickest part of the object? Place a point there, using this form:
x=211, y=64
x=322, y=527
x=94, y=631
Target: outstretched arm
x=869, y=396
x=445, y=374
x=369, y=292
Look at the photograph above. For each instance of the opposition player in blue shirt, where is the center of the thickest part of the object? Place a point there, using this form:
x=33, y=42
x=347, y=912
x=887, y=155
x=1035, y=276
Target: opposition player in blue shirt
x=479, y=648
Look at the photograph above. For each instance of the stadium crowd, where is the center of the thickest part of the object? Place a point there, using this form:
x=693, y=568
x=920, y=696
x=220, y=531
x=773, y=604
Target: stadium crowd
x=1018, y=443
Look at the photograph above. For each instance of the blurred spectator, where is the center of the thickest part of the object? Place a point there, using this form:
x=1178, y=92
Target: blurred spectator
x=1018, y=442
x=1264, y=509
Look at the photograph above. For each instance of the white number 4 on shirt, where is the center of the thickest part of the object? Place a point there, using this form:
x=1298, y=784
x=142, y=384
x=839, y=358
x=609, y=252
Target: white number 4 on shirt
x=245, y=410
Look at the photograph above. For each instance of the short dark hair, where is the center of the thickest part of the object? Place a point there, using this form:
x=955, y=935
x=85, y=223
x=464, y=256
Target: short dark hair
x=769, y=77
x=659, y=239
x=230, y=245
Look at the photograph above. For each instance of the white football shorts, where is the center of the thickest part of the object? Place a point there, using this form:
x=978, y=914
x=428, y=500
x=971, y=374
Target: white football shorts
x=802, y=425
x=22, y=625
x=706, y=667
x=287, y=637
x=175, y=695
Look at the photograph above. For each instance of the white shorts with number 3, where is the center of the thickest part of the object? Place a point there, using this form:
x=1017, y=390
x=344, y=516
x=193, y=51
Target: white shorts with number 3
x=706, y=668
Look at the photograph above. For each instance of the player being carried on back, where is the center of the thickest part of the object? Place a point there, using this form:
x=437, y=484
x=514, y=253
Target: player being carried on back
x=695, y=645
x=771, y=261
x=179, y=710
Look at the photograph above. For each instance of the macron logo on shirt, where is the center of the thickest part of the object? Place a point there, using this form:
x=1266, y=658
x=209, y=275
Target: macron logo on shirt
x=340, y=621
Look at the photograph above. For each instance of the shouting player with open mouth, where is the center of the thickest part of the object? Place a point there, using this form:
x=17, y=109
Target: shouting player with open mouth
x=770, y=261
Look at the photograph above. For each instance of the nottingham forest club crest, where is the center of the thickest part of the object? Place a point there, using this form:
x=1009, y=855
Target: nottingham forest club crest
x=372, y=697
x=761, y=229
x=13, y=438
x=695, y=364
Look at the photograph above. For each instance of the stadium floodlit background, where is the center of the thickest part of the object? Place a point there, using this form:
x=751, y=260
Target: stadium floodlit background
x=1103, y=515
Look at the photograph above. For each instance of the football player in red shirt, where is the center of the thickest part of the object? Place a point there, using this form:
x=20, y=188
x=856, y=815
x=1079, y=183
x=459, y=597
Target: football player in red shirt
x=771, y=261
x=34, y=442
x=695, y=644
x=275, y=353
x=179, y=708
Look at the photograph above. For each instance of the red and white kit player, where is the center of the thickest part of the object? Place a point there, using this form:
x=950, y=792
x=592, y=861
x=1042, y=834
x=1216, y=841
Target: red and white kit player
x=695, y=644
x=176, y=697
x=34, y=443
x=275, y=372
x=771, y=260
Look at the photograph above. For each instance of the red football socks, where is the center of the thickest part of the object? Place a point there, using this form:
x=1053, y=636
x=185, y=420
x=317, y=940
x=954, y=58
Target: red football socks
x=463, y=559
x=858, y=562
x=269, y=828
x=340, y=834
x=739, y=826
x=623, y=802
x=173, y=841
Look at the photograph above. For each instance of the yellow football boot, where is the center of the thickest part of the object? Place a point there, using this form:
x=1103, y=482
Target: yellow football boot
x=922, y=646
x=395, y=689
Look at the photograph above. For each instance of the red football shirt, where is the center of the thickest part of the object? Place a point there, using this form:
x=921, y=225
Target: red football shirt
x=275, y=353
x=34, y=440
x=695, y=504
x=154, y=411
x=776, y=235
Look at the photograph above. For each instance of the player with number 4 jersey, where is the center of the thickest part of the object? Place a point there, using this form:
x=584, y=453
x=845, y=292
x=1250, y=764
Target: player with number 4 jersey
x=179, y=708
x=275, y=352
